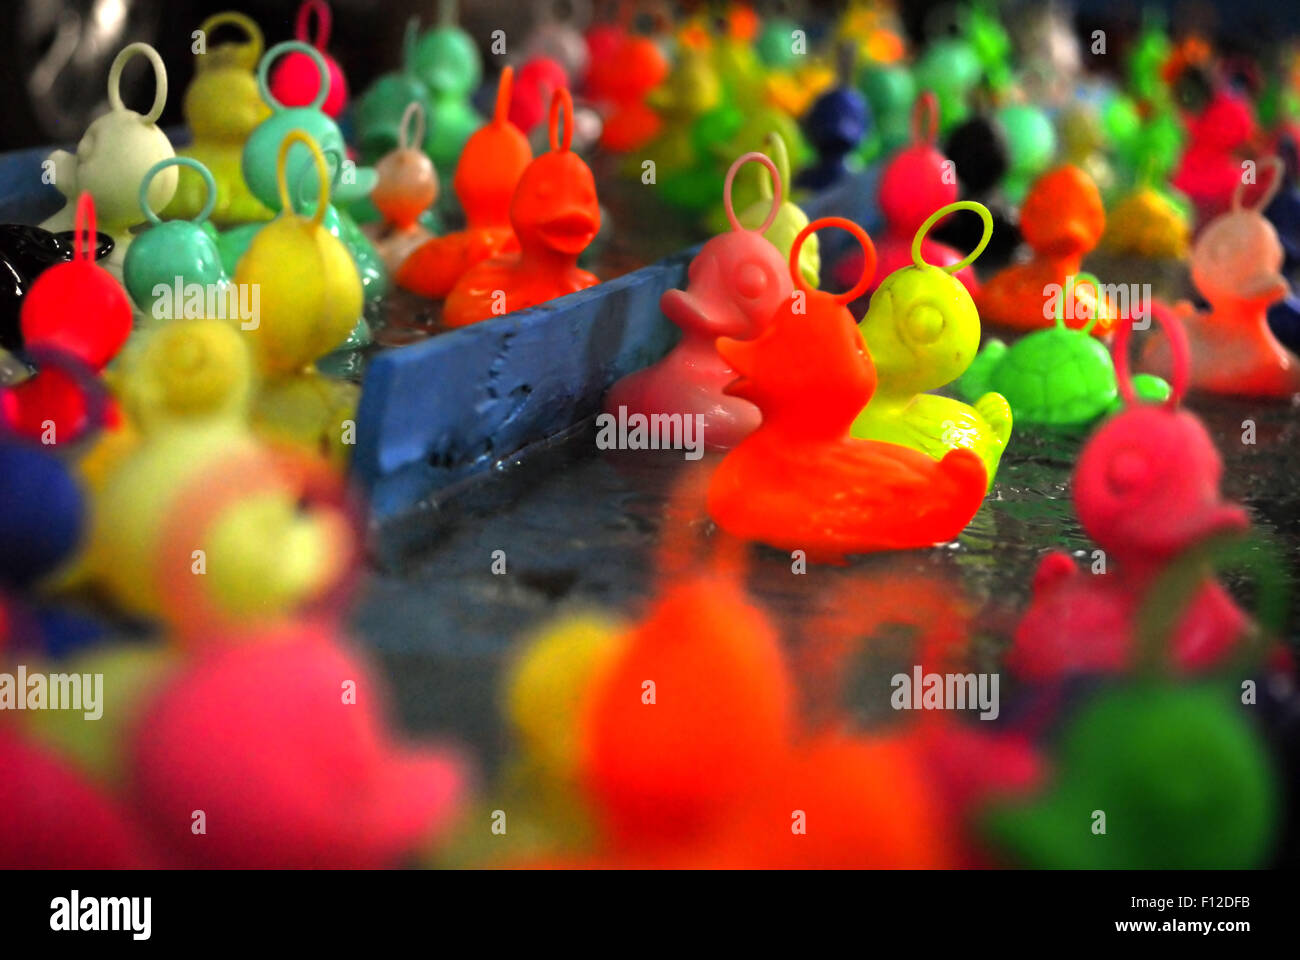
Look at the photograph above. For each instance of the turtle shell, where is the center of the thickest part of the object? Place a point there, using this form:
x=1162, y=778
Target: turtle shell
x=1056, y=377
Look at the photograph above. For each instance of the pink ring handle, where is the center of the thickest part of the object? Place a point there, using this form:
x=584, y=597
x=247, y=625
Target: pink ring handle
x=85, y=228
x=323, y=22
x=1179, y=350
x=927, y=107
x=777, y=190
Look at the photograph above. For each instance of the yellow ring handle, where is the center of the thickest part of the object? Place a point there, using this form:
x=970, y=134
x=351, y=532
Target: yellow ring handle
x=939, y=214
x=322, y=173
x=244, y=22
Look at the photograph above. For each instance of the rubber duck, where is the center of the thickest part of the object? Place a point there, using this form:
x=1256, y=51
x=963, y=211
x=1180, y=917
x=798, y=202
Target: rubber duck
x=255, y=728
x=1031, y=145
x=379, y=110
x=891, y=94
x=310, y=297
x=800, y=481
x=222, y=107
x=619, y=82
x=696, y=119
x=1060, y=378
x=261, y=168
x=1183, y=776
x=1062, y=220
x=25, y=253
x=1210, y=170
x=917, y=181
x=1236, y=265
x=555, y=216
x=407, y=185
x=736, y=282
x=556, y=36
x=536, y=80
x=295, y=80
x=495, y=158
x=950, y=67
x=980, y=155
x=112, y=157
x=447, y=60
x=922, y=331
x=177, y=255
x=1146, y=490
x=835, y=125
x=1146, y=222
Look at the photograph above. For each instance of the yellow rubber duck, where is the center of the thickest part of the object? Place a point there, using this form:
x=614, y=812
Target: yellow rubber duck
x=222, y=107
x=922, y=330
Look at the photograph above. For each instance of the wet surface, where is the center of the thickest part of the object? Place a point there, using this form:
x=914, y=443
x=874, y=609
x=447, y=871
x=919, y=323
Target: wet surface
x=581, y=528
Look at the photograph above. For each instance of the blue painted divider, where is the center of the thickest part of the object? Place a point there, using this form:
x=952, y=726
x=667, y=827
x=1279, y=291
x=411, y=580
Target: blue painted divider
x=437, y=412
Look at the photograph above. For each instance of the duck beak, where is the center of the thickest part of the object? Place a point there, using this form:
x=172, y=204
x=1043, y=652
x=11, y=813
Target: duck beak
x=572, y=230
x=1266, y=286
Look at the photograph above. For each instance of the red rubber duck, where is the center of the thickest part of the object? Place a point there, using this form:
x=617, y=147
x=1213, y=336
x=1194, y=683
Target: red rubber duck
x=619, y=81
x=737, y=282
x=1146, y=490
x=487, y=173
x=1210, y=170
x=74, y=320
x=555, y=216
x=1237, y=266
x=917, y=181
x=1062, y=221
x=800, y=482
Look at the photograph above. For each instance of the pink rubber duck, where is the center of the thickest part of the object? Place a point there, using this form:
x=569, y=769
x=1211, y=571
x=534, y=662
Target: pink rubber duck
x=1210, y=170
x=1146, y=490
x=1237, y=266
x=917, y=181
x=735, y=284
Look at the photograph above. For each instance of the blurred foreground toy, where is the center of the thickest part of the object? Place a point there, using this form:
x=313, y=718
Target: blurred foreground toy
x=253, y=733
x=222, y=107
x=1146, y=490
x=922, y=331
x=916, y=182
x=112, y=158
x=736, y=282
x=1146, y=223
x=180, y=256
x=295, y=81
x=309, y=298
x=487, y=174
x=1180, y=774
x=1060, y=378
x=25, y=253
x=1236, y=265
x=799, y=482
x=555, y=217
x=1211, y=171
x=407, y=185
x=1062, y=220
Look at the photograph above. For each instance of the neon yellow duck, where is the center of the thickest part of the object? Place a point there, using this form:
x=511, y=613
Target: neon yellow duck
x=922, y=330
x=222, y=107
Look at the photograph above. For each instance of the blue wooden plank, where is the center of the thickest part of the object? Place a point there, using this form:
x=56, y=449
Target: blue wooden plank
x=440, y=411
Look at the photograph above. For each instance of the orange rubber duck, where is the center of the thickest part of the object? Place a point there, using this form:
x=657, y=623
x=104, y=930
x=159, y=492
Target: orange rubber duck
x=488, y=171
x=555, y=217
x=1237, y=266
x=800, y=482
x=1062, y=220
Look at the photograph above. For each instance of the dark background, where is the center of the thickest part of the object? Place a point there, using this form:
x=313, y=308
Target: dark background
x=55, y=54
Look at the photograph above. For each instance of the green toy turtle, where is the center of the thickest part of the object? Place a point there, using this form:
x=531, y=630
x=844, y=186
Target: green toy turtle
x=1056, y=378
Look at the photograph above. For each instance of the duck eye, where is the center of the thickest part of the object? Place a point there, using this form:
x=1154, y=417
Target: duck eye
x=1128, y=471
x=751, y=281
x=924, y=323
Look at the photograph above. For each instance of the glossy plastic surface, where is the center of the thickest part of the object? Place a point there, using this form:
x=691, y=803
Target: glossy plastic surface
x=800, y=482
x=295, y=81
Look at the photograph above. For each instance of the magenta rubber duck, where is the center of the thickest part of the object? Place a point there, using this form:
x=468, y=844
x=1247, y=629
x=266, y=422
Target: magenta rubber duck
x=735, y=284
x=1211, y=169
x=917, y=181
x=1146, y=490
